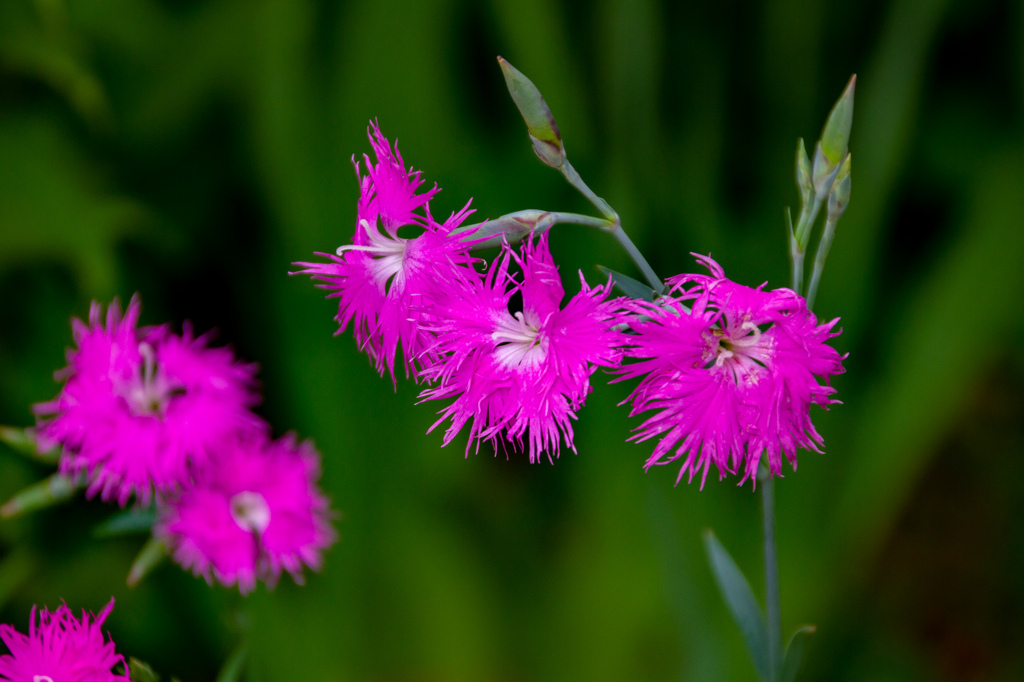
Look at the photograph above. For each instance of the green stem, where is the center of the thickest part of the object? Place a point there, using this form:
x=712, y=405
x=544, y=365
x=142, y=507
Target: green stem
x=809, y=209
x=819, y=260
x=615, y=226
x=771, y=575
x=638, y=258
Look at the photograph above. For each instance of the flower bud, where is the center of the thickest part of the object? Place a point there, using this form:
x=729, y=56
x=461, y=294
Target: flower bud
x=823, y=174
x=803, y=171
x=836, y=135
x=540, y=123
x=839, y=197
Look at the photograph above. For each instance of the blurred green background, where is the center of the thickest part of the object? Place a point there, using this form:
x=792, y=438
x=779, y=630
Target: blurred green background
x=190, y=151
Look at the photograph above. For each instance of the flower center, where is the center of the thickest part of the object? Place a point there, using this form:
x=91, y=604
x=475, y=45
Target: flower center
x=519, y=341
x=738, y=350
x=42, y=678
x=250, y=511
x=388, y=255
x=149, y=393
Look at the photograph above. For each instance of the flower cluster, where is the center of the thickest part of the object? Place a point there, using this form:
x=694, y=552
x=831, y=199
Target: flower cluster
x=60, y=648
x=730, y=371
x=145, y=412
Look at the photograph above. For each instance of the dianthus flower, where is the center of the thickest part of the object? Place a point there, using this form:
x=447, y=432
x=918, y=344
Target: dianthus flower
x=381, y=278
x=254, y=511
x=732, y=371
x=60, y=648
x=141, y=406
x=520, y=375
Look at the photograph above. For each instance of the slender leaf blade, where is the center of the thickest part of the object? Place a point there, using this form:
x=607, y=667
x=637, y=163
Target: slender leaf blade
x=126, y=522
x=232, y=670
x=795, y=653
x=629, y=286
x=740, y=600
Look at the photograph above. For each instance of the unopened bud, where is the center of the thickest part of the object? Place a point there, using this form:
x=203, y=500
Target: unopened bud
x=823, y=174
x=803, y=171
x=835, y=136
x=540, y=123
x=839, y=197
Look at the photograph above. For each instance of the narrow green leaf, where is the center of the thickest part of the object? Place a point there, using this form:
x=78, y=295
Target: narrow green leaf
x=141, y=672
x=741, y=602
x=232, y=670
x=629, y=286
x=23, y=441
x=46, y=493
x=125, y=522
x=149, y=557
x=795, y=653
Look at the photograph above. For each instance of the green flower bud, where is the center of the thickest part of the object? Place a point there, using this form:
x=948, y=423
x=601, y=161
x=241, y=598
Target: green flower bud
x=803, y=171
x=839, y=197
x=540, y=123
x=823, y=174
x=835, y=137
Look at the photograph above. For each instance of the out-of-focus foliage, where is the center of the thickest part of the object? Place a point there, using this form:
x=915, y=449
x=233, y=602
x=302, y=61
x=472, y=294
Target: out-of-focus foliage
x=191, y=151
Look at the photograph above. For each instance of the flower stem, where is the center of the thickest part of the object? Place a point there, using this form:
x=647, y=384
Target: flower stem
x=614, y=226
x=819, y=260
x=798, y=239
x=771, y=575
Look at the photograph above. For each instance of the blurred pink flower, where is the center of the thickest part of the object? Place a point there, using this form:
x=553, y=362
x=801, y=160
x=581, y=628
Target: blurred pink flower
x=60, y=648
x=525, y=374
x=140, y=406
x=254, y=511
x=732, y=377
x=381, y=278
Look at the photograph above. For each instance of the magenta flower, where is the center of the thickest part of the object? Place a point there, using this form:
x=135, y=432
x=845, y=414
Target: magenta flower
x=60, y=648
x=732, y=378
x=254, y=511
x=381, y=278
x=519, y=375
x=141, y=406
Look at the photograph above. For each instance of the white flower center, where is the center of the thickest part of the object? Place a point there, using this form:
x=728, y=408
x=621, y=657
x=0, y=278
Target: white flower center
x=519, y=341
x=250, y=511
x=388, y=252
x=42, y=678
x=739, y=350
x=149, y=393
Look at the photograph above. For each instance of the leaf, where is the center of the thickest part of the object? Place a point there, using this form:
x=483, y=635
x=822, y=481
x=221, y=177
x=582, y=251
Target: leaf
x=741, y=602
x=795, y=653
x=149, y=557
x=233, y=667
x=123, y=523
x=23, y=441
x=835, y=137
x=46, y=493
x=629, y=286
x=141, y=672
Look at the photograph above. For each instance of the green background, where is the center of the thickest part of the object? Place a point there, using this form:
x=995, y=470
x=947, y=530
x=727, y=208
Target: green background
x=190, y=151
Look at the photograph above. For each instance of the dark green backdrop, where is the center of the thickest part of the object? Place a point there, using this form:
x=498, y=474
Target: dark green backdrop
x=190, y=151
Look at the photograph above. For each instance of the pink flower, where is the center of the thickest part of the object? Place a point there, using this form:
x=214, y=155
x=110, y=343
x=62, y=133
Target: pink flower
x=140, y=406
x=732, y=378
x=60, y=648
x=524, y=374
x=254, y=511
x=381, y=278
